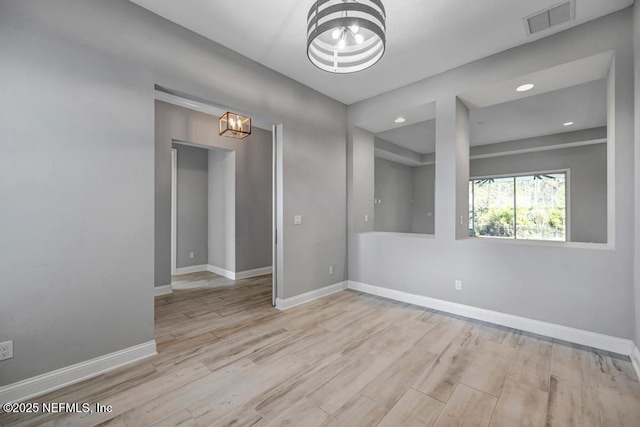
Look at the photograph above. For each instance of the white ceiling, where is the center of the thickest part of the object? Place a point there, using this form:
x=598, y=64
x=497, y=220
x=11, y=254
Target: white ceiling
x=548, y=80
x=418, y=137
x=541, y=114
x=534, y=115
x=424, y=37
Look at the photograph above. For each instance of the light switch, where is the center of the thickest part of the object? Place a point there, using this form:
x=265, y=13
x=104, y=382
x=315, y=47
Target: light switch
x=297, y=220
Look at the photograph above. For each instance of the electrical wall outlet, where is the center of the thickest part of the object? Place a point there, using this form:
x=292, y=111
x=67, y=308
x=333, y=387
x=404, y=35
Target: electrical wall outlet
x=458, y=285
x=6, y=350
x=191, y=255
x=331, y=269
x=366, y=218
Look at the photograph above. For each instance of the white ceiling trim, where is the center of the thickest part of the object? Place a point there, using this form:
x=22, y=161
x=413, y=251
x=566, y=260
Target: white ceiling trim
x=211, y=109
x=536, y=149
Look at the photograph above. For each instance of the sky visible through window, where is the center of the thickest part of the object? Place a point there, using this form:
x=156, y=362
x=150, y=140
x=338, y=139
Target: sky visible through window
x=529, y=207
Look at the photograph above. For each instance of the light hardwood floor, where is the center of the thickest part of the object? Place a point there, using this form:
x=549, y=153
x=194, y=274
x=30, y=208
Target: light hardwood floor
x=227, y=358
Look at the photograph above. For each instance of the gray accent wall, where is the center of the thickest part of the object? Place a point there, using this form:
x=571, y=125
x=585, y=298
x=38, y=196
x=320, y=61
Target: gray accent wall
x=587, y=177
x=192, y=209
x=77, y=172
x=585, y=286
x=239, y=190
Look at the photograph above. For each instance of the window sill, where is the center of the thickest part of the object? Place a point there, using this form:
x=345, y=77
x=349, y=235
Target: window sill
x=398, y=234
x=548, y=243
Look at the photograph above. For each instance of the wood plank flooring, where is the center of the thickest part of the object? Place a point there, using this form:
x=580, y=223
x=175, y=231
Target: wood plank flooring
x=227, y=358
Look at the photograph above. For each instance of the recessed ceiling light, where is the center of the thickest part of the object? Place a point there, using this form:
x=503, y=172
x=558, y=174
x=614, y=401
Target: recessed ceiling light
x=400, y=120
x=525, y=87
x=568, y=123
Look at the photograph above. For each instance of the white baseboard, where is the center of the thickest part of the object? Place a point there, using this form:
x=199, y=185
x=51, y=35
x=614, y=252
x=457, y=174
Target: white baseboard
x=192, y=269
x=565, y=333
x=635, y=360
x=54, y=380
x=284, y=304
x=224, y=272
x=253, y=273
x=221, y=271
x=163, y=290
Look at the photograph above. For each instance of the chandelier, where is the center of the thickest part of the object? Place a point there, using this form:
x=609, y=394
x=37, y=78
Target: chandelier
x=345, y=36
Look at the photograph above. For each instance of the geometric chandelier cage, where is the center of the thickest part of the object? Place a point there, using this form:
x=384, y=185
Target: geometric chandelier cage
x=346, y=36
x=234, y=125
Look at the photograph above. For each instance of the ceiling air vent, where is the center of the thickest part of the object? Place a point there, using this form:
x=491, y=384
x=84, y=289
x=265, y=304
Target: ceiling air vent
x=554, y=15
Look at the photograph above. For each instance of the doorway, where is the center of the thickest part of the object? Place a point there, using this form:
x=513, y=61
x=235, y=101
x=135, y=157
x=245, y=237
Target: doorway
x=239, y=256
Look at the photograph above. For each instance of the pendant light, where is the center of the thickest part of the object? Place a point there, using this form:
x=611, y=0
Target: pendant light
x=346, y=36
x=234, y=125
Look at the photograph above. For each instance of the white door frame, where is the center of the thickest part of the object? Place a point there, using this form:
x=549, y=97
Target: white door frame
x=174, y=211
x=277, y=281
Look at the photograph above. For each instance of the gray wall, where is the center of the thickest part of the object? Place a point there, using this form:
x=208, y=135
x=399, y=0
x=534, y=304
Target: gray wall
x=254, y=198
x=363, y=177
x=636, y=41
x=192, y=222
x=222, y=209
x=423, y=218
x=240, y=230
x=394, y=187
x=587, y=183
x=407, y=197
x=562, y=284
x=77, y=188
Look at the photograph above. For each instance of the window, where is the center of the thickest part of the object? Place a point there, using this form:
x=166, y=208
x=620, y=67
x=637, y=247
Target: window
x=527, y=207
